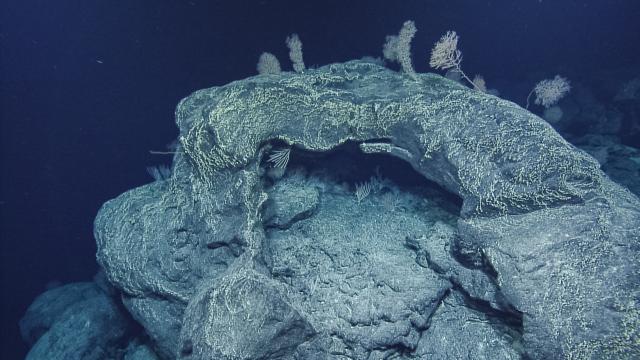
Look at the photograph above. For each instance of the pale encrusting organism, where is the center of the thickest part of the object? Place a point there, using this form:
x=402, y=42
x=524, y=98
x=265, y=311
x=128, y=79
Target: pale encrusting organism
x=295, y=52
x=280, y=158
x=398, y=47
x=479, y=83
x=160, y=172
x=268, y=64
x=550, y=91
x=445, y=55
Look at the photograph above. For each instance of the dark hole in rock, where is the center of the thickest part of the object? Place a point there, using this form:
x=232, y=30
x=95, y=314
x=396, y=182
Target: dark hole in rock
x=187, y=348
x=347, y=165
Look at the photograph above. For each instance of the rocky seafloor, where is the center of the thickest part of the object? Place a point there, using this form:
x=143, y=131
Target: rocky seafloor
x=353, y=212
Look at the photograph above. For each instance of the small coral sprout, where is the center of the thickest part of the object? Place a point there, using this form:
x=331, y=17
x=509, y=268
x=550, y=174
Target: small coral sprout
x=268, y=64
x=445, y=55
x=398, y=47
x=295, y=52
x=550, y=91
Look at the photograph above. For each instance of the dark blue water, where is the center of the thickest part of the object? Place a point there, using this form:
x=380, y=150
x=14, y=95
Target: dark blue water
x=88, y=88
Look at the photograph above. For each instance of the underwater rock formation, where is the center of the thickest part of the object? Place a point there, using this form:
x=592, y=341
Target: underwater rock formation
x=76, y=321
x=510, y=242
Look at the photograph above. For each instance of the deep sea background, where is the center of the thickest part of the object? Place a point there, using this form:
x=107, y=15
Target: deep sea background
x=88, y=88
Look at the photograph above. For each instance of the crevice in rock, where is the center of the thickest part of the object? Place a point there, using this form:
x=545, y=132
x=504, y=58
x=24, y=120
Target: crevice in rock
x=507, y=319
x=500, y=314
x=348, y=165
x=510, y=319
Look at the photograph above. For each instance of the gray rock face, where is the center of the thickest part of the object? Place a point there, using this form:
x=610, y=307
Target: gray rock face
x=458, y=332
x=75, y=321
x=245, y=317
x=353, y=276
x=291, y=202
x=221, y=262
x=140, y=352
x=571, y=272
x=621, y=163
x=48, y=308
